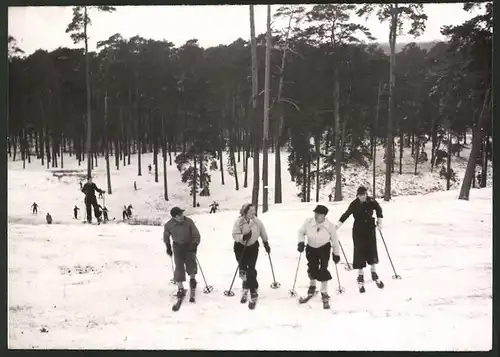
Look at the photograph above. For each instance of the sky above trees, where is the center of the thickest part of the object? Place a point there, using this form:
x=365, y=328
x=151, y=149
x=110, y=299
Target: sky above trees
x=211, y=25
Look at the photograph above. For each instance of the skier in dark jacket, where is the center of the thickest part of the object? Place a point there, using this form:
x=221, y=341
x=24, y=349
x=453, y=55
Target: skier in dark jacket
x=48, y=218
x=185, y=238
x=363, y=233
x=75, y=211
x=89, y=189
x=34, y=207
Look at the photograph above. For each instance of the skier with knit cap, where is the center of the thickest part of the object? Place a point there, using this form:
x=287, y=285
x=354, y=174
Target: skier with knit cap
x=364, y=235
x=246, y=231
x=321, y=237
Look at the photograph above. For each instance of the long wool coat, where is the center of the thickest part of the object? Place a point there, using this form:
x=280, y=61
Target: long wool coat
x=363, y=231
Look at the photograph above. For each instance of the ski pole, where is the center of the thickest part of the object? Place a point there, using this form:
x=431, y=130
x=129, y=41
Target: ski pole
x=348, y=267
x=208, y=288
x=340, y=289
x=395, y=276
x=230, y=292
x=293, y=292
x=274, y=285
x=173, y=272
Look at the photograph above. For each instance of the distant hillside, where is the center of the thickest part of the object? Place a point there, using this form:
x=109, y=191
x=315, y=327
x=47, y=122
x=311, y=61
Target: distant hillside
x=399, y=46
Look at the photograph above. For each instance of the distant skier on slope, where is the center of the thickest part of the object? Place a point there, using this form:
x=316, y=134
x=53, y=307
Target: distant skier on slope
x=48, y=218
x=246, y=231
x=321, y=237
x=363, y=234
x=89, y=189
x=105, y=214
x=185, y=238
x=75, y=211
x=213, y=207
x=34, y=208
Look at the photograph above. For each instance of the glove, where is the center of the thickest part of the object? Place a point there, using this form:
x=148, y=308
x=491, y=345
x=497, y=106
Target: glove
x=267, y=247
x=336, y=258
x=193, y=247
x=169, y=250
x=379, y=223
x=300, y=247
x=247, y=236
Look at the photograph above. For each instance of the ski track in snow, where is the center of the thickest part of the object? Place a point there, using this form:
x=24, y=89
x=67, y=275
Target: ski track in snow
x=107, y=286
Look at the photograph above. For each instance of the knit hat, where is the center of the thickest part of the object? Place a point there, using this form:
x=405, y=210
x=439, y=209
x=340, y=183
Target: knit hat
x=321, y=209
x=361, y=191
x=244, y=209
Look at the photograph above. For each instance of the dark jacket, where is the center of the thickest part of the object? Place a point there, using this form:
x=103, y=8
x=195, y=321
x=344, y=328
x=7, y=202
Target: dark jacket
x=90, y=188
x=363, y=212
x=184, y=232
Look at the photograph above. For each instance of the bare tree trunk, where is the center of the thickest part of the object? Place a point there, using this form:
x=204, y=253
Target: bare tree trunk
x=164, y=158
x=338, y=143
x=484, y=168
x=256, y=121
x=108, y=172
x=476, y=141
x=265, y=141
x=195, y=179
x=448, y=161
x=374, y=141
x=389, y=144
x=318, y=155
x=87, y=84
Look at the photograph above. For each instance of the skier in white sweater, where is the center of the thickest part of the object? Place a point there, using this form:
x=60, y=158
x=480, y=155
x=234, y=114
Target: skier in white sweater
x=321, y=236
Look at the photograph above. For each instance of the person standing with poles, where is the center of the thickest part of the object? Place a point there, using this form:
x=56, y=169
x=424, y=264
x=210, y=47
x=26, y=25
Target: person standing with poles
x=89, y=190
x=246, y=231
x=321, y=237
x=363, y=235
x=185, y=238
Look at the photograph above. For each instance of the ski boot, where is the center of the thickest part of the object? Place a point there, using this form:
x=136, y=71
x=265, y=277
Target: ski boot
x=192, y=289
x=361, y=283
x=244, y=296
x=326, y=300
x=376, y=279
x=253, y=300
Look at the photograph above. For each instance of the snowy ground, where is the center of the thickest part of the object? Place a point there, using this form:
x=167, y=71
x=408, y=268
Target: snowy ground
x=107, y=287
x=58, y=192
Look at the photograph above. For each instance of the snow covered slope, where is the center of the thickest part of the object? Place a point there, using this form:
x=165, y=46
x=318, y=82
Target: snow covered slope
x=58, y=192
x=104, y=287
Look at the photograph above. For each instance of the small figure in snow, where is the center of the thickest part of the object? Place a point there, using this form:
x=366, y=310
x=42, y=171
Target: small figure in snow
x=213, y=207
x=89, y=189
x=185, y=238
x=330, y=197
x=48, y=218
x=135, y=185
x=198, y=204
x=363, y=233
x=81, y=185
x=34, y=208
x=321, y=237
x=246, y=231
x=75, y=211
x=127, y=212
x=150, y=168
x=105, y=214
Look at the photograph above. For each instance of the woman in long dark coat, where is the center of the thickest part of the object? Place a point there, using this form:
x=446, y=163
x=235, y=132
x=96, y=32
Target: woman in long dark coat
x=363, y=233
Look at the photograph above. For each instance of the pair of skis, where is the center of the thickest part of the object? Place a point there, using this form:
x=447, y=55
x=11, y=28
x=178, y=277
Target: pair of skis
x=182, y=295
x=244, y=298
x=309, y=296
